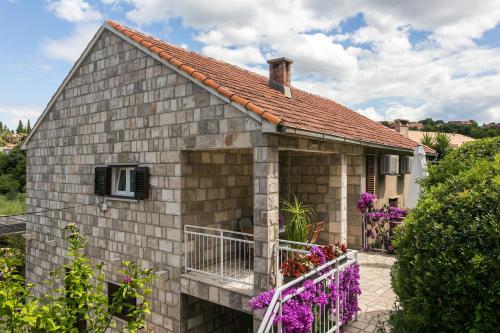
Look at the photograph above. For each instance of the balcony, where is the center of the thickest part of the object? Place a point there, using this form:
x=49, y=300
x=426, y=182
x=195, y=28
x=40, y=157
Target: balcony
x=225, y=258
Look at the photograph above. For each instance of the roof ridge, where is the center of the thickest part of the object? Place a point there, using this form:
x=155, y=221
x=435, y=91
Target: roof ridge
x=140, y=38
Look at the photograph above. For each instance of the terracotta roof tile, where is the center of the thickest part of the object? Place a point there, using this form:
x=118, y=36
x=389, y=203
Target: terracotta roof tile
x=304, y=111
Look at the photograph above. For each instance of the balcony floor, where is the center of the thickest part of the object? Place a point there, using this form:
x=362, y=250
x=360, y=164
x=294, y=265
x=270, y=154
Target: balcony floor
x=235, y=280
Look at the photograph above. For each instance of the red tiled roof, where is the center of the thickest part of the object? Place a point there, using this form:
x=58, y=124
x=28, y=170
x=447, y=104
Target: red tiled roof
x=304, y=111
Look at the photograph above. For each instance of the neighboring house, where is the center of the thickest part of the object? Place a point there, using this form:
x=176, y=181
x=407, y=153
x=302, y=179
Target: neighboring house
x=7, y=148
x=460, y=122
x=144, y=141
x=402, y=126
x=456, y=140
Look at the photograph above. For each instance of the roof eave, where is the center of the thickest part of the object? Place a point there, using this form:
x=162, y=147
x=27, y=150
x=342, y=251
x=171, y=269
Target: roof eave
x=341, y=139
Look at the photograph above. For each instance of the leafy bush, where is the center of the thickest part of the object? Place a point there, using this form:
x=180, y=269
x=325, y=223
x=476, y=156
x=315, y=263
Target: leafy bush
x=462, y=159
x=448, y=257
x=76, y=297
x=8, y=184
x=14, y=164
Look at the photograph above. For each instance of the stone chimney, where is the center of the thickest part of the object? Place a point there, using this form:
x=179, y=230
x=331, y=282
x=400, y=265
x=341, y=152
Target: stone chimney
x=280, y=75
x=401, y=126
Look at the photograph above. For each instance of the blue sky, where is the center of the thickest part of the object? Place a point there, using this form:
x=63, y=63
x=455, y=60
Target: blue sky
x=389, y=60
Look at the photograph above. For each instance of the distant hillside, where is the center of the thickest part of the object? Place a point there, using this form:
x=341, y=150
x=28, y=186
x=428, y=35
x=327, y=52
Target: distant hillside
x=467, y=127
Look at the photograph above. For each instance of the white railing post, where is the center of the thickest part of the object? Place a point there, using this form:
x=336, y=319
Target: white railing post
x=221, y=253
x=185, y=250
x=337, y=302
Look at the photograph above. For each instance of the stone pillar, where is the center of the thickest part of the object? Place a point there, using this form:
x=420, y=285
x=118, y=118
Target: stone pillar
x=266, y=206
x=355, y=185
x=338, y=199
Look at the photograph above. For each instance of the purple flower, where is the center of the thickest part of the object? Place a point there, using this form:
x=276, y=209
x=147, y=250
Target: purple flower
x=366, y=201
x=127, y=280
x=281, y=219
x=298, y=313
x=261, y=301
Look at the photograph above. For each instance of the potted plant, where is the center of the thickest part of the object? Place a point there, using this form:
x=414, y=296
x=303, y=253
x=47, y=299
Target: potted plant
x=297, y=216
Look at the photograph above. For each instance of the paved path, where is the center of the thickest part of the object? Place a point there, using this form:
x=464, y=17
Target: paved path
x=377, y=296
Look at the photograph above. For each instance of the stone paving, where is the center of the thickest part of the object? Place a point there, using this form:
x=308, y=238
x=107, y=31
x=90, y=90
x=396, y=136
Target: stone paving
x=377, y=296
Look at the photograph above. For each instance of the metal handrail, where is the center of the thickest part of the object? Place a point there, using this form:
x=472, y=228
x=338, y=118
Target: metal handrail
x=220, y=253
x=277, y=300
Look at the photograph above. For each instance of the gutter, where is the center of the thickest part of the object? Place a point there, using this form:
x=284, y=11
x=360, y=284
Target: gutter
x=328, y=137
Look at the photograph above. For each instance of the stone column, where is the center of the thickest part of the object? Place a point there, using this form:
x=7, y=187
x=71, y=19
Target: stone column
x=355, y=186
x=265, y=206
x=338, y=199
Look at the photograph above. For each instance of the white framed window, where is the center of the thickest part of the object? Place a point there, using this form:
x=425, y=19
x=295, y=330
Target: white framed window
x=123, y=181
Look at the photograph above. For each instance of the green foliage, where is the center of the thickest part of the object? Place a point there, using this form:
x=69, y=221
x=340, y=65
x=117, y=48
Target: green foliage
x=14, y=164
x=12, y=206
x=440, y=143
x=8, y=184
x=427, y=140
x=461, y=159
x=448, y=258
x=76, y=295
x=297, y=216
x=474, y=130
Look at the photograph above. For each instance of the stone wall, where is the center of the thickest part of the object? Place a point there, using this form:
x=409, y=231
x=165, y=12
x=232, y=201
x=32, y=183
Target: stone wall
x=122, y=106
x=218, y=188
x=355, y=186
x=306, y=175
x=207, y=317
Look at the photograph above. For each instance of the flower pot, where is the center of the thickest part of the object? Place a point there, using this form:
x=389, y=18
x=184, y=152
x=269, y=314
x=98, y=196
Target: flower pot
x=287, y=279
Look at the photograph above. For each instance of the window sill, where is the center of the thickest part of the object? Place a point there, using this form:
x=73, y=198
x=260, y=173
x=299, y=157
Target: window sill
x=119, y=198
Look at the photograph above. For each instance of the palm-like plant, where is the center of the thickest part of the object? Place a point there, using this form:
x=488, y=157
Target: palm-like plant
x=427, y=140
x=442, y=143
x=298, y=215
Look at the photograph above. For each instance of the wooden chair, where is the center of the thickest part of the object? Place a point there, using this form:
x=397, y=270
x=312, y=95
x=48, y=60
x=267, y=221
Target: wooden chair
x=247, y=230
x=314, y=231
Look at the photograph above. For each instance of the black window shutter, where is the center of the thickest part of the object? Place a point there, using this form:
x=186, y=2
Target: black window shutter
x=141, y=183
x=102, y=181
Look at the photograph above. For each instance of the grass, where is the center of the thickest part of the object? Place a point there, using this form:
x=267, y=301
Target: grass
x=13, y=206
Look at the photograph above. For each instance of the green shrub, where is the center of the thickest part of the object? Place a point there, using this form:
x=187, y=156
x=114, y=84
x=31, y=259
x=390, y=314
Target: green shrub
x=8, y=184
x=462, y=159
x=446, y=275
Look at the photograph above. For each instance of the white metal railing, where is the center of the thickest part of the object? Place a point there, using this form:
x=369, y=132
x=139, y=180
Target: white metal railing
x=223, y=254
x=325, y=320
x=288, y=250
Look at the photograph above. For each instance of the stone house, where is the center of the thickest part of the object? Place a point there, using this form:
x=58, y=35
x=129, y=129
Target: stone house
x=144, y=140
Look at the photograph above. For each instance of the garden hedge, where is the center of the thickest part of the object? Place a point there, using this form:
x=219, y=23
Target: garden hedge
x=447, y=269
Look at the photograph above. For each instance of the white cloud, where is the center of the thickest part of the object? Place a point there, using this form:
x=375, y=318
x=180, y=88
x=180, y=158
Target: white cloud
x=239, y=56
x=86, y=20
x=74, y=10
x=446, y=75
x=11, y=114
x=70, y=47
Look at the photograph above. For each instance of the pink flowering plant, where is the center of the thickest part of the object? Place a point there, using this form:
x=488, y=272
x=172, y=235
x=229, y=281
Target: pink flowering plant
x=301, y=313
x=76, y=300
x=379, y=224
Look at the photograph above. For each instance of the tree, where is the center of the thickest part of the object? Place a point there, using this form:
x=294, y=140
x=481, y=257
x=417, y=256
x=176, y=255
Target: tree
x=20, y=128
x=440, y=143
x=14, y=163
x=81, y=301
x=461, y=159
x=446, y=270
x=8, y=184
x=28, y=127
